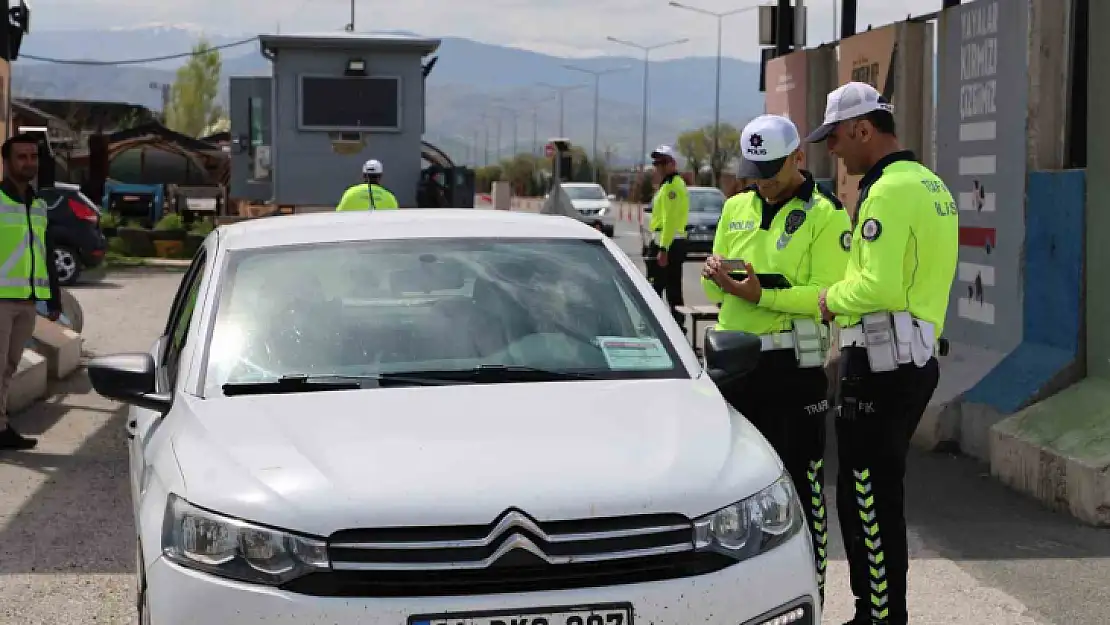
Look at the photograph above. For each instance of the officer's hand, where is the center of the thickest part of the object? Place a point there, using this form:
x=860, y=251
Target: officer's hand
x=826, y=314
x=661, y=258
x=747, y=289
x=712, y=264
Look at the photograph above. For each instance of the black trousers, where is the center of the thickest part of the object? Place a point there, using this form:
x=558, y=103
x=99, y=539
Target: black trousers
x=668, y=279
x=877, y=414
x=789, y=405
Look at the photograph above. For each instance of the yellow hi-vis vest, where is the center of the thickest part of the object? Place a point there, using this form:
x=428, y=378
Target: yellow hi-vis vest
x=23, y=272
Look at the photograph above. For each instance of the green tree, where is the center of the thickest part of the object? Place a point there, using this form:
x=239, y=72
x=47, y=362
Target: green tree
x=192, y=104
x=696, y=146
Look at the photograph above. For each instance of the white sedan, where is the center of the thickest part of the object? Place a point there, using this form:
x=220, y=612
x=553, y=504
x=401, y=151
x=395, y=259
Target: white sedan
x=446, y=417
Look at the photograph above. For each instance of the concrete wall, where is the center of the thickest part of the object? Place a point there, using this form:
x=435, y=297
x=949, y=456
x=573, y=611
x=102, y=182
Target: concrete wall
x=309, y=170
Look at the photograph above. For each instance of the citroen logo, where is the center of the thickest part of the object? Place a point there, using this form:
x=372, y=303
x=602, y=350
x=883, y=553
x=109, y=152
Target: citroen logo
x=520, y=530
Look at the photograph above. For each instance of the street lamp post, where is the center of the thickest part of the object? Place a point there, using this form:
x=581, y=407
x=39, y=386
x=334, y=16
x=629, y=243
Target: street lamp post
x=597, y=74
x=717, y=107
x=560, y=90
x=644, y=114
x=516, y=117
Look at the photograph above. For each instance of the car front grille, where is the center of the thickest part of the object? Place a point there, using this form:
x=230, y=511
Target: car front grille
x=513, y=554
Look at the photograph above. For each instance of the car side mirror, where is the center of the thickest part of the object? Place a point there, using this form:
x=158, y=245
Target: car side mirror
x=731, y=354
x=129, y=378
x=612, y=197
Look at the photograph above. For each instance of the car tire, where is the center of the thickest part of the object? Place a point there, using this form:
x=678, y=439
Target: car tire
x=68, y=265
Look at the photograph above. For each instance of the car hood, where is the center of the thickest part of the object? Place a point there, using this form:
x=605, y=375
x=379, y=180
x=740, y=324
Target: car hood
x=460, y=455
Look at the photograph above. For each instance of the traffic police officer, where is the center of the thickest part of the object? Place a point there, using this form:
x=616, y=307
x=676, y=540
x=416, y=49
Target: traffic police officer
x=784, y=224
x=670, y=210
x=890, y=306
x=370, y=195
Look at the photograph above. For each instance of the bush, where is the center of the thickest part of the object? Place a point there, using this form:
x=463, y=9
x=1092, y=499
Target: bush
x=202, y=227
x=118, y=246
x=109, y=220
x=170, y=223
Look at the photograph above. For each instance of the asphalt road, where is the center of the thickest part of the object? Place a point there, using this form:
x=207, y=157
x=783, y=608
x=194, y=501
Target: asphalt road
x=981, y=553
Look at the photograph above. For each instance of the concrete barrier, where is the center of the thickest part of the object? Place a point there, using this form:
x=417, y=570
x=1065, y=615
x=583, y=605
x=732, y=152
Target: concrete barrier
x=29, y=384
x=502, y=196
x=60, y=346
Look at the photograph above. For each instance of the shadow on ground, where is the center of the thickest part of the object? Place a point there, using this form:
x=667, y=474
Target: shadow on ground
x=79, y=520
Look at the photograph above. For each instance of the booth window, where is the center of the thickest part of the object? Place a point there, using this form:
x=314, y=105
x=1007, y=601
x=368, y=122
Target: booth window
x=350, y=103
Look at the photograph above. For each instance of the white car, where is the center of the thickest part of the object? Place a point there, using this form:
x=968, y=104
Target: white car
x=445, y=417
x=591, y=201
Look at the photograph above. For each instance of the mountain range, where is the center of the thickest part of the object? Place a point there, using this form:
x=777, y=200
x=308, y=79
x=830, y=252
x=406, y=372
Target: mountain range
x=471, y=79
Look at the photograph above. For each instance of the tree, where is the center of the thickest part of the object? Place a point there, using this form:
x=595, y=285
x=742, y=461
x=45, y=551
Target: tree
x=696, y=146
x=192, y=103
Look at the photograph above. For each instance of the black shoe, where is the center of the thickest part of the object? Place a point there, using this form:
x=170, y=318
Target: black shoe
x=12, y=440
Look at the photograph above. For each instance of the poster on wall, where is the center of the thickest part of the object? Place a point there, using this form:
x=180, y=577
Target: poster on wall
x=867, y=57
x=786, y=89
x=982, y=105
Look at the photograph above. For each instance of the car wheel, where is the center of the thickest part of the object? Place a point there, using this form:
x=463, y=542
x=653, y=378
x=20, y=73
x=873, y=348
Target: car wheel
x=69, y=269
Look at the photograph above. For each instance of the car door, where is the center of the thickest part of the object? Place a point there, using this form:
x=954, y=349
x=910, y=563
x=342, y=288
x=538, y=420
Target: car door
x=143, y=425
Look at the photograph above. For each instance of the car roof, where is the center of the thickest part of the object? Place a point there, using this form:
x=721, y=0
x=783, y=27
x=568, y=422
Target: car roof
x=705, y=189
x=346, y=226
x=580, y=184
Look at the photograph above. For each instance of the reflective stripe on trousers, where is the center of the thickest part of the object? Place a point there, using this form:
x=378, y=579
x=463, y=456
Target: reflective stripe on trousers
x=820, y=522
x=865, y=499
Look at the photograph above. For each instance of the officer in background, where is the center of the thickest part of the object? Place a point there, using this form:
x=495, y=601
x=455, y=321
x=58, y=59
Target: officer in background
x=30, y=276
x=890, y=307
x=669, y=213
x=370, y=195
x=785, y=225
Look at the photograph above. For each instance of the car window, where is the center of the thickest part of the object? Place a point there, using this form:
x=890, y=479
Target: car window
x=177, y=327
x=585, y=193
x=377, y=307
x=706, y=201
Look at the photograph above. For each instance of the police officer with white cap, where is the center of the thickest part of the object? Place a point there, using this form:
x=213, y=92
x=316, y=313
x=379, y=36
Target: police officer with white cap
x=784, y=225
x=890, y=305
x=370, y=194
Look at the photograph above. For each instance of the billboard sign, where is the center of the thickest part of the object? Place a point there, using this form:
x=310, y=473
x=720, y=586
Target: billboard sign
x=981, y=152
x=786, y=89
x=867, y=57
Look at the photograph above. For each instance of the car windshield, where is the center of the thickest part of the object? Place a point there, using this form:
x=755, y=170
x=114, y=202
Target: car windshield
x=706, y=201
x=386, y=308
x=592, y=192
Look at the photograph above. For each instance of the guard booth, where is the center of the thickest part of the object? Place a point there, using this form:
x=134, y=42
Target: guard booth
x=299, y=137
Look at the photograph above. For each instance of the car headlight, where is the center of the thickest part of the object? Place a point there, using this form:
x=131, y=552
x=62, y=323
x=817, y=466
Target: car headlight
x=754, y=525
x=215, y=544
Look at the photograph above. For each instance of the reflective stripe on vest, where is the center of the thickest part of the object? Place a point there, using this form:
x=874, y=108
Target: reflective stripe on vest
x=23, y=272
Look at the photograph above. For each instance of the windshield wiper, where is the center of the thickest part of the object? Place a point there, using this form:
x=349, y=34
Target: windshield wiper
x=303, y=383
x=488, y=374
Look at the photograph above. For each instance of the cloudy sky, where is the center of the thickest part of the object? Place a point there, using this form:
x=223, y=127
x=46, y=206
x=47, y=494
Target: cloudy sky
x=562, y=27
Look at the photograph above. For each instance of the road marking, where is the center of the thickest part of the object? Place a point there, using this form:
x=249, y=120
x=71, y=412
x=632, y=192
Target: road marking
x=983, y=312
x=969, y=271
x=978, y=165
x=978, y=131
x=967, y=202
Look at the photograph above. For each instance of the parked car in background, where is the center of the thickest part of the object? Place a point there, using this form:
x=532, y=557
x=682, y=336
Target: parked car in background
x=591, y=201
x=706, y=204
x=74, y=222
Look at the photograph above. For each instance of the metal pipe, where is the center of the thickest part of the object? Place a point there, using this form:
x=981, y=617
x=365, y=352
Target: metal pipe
x=783, y=33
x=799, y=24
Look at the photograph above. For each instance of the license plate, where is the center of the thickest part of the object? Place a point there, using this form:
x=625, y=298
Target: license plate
x=601, y=615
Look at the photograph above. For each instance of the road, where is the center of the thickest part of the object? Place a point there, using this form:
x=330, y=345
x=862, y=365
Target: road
x=981, y=553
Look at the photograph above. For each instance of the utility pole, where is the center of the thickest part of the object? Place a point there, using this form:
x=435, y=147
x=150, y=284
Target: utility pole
x=644, y=113
x=717, y=106
x=799, y=24
x=516, y=116
x=560, y=91
x=597, y=74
